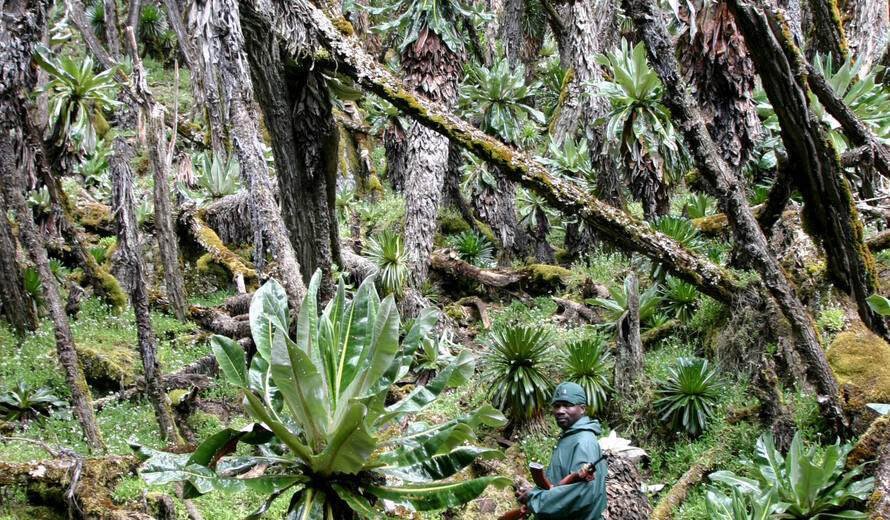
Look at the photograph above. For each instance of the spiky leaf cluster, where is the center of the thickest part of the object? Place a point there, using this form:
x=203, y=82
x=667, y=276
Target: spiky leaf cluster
x=513, y=368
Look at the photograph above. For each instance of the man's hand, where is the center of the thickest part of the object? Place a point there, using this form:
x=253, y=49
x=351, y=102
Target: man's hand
x=522, y=495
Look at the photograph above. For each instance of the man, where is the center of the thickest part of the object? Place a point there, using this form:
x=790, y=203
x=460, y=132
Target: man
x=576, y=446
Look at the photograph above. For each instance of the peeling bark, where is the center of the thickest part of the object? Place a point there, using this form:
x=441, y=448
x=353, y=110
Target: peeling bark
x=867, y=27
x=629, y=346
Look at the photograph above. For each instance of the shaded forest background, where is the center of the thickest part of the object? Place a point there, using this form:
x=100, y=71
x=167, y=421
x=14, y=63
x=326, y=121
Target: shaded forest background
x=680, y=205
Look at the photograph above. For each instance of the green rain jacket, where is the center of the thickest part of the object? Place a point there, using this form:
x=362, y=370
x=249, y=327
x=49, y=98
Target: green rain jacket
x=581, y=500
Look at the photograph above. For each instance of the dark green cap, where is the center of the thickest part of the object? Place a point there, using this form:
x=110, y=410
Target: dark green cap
x=570, y=393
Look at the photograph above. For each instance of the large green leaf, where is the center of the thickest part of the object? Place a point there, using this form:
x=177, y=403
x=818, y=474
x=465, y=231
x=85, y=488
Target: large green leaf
x=355, y=336
x=268, y=311
x=307, y=322
x=230, y=358
x=302, y=387
x=745, y=485
x=420, y=329
x=255, y=407
x=439, y=495
x=440, y=466
x=381, y=351
x=358, y=503
x=349, y=447
x=307, y=504
x=421, y=441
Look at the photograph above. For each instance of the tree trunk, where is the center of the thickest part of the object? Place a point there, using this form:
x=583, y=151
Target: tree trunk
x=628, y=346
x=867, y=27
x=344, y=55
x=828, y=206
x=160, y=165
x=23, y=22
x=224, y=46
x=112, y=29
x=496, y=206
x=431, y=69
x=395, y=146
x=717, y=65
x=591, y=27
x=133, y=270
x=16, y=304
x=879, y=502
x=730, y=191
x=305, y=142
x=828, y=32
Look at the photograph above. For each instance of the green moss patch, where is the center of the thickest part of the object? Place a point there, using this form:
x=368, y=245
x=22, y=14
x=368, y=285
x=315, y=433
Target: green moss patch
x=109, y=368
x=860, y=360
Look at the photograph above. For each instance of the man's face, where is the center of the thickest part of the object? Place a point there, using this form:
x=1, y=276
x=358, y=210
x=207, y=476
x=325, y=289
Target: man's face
x=567, y=413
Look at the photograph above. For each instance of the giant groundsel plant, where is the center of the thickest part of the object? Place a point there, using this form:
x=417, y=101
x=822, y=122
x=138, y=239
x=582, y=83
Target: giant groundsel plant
x=321, y=421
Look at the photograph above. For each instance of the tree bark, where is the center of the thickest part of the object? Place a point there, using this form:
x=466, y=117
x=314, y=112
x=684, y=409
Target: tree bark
x=828, y=206
x=879, y=502
x=828, y=31
x=305, y=142
x=730, y=191
x=717, y=65
x=496, y=206
x=225, y=48
x=133, y=271
x=16, y=304
x=307, y=27
x=112, y=29
x=628, y=345
x=867, y=27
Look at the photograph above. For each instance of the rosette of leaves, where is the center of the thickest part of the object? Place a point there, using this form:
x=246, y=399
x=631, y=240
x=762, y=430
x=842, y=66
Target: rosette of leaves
x=514, y=366
x=571, y=160
x=587, y=362
x=409, y=17
x=617, y=304
x=389, y=261
x=317, y=400
x=740, y=506
x=217, y=177
x=24, y=402
x=680, y=298
x=77, y=97
x=473, y=248
x=499, y=96
x=96, y=16
x=688, y=395
x=807, y=483
x=699, y=205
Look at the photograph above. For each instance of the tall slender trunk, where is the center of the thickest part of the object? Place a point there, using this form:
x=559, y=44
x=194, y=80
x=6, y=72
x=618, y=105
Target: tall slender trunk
x=112, y=28
x=867, y=26
x=730, y=191
x=496, y=206
x=394, y=143
x=629, y=346
x=828, y=31
x=159, y=156
x=224, y=47
x=305, y=141
x=133, y=272
x=23, y=22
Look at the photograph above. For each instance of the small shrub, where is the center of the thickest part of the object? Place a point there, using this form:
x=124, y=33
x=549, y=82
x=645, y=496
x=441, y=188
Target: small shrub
x=474, y=248
x=587, y=362
x=688, y=394
x=387, y=254
x=680, y=298
x=514, y=370
x=699, y=205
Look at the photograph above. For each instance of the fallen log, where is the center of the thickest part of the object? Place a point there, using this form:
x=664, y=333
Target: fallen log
x=535, y=279
x=572, y=312
x=207, y=238
x=879, y=241
x=84, y=484
x=172, y=381
x=218, y=322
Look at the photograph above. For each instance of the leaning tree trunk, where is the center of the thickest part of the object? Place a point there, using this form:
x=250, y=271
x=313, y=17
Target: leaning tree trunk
x=133, y=272
x=829, y=213
x=432, y=69
x=730, y=191
x=305, y=142
x=717, y=64
x=16, y=305
x=159, y=156
x=23, y=22
x=628, y=345
x=224, y=46
x=590, y=27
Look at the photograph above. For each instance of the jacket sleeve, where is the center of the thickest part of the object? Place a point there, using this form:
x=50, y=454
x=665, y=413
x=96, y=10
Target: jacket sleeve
x=573, y=500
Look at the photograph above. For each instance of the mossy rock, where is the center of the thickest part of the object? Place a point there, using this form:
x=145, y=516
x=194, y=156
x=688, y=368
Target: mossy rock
x=451, y=224
x=94, y=216
x=32, y=512
x=110, y=368
x=860, y=360
x=546, y=278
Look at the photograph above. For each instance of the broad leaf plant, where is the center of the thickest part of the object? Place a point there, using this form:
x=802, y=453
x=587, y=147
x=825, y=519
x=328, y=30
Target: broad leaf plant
x=324, y=431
